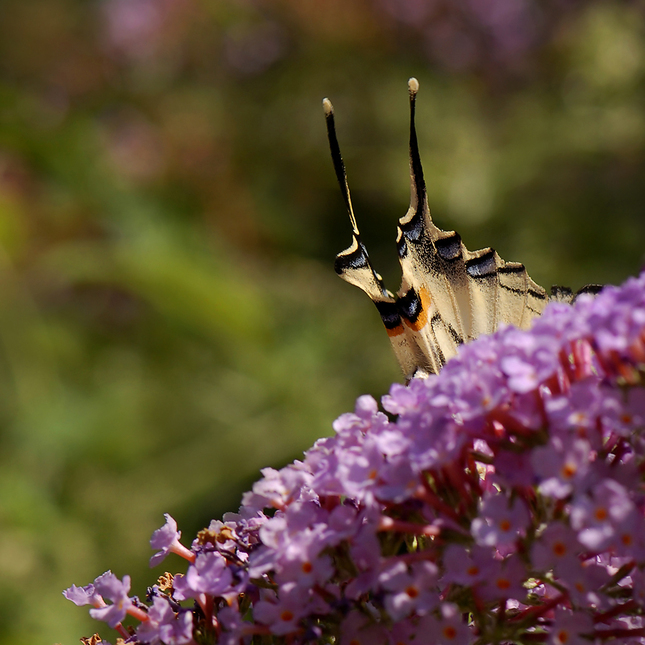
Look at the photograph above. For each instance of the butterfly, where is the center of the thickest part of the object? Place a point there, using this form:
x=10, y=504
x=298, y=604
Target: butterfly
x=448, y=295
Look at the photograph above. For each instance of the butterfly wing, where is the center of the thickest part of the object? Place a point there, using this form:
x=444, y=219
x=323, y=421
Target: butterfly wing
x=448, y=295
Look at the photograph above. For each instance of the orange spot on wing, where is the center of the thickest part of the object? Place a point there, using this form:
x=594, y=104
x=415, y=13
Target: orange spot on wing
x=422, y=318
x=395, y=331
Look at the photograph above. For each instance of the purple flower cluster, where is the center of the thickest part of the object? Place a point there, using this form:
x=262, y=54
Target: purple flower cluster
x=500, y=501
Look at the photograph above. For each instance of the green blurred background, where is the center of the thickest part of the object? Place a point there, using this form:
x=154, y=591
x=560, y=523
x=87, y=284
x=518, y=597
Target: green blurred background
x=170, y=321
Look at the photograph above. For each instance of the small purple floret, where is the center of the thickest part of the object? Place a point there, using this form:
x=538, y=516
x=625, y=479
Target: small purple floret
x=163, y=539
x=166, y=626
x=111, y=588
x=82, y=595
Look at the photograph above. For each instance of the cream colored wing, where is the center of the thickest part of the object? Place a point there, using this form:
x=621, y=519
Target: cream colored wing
x=448, y=295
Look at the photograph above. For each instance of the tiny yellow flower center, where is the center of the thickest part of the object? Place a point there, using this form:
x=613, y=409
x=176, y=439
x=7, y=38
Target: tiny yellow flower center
x=601, y=514
x=503, y=583
x=449, y=632
x=559, y=549
x=413, y=592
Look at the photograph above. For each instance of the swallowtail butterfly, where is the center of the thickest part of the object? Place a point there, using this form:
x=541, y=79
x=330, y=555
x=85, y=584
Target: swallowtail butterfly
x=448, y=295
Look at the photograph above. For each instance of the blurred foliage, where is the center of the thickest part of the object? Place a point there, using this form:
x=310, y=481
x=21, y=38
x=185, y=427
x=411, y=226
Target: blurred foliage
x=170, y=319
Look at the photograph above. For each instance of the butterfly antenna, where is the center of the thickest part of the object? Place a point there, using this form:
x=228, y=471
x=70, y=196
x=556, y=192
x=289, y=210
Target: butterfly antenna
x=339, y=166
x=416, y=168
